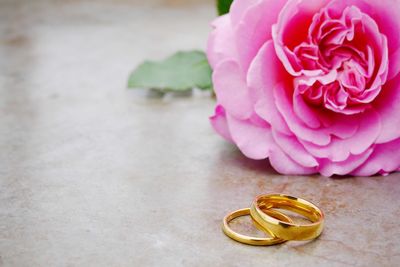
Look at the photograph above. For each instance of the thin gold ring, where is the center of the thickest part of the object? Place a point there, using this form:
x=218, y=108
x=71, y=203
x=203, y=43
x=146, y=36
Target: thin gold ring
x=255, y=241
x=283, y=229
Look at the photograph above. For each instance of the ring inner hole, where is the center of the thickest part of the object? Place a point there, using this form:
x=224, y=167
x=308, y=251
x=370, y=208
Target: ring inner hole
x=244, y=225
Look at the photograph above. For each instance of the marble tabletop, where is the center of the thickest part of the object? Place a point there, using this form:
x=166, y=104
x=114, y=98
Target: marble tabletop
x=93, y=174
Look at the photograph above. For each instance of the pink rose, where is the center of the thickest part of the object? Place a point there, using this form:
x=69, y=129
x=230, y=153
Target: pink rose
x=312, y=85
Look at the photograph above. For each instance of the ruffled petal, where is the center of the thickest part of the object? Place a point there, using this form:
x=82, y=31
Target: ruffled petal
x=289, y=144
x=394, y=64
x=255, y=142
x=388, y=107
x=322, y=136
x=298, y=128
x=238, y=10
x=254, y=29
x=384, y=159
x=231, y=89
x=286, y=33
x=328, y=168
x=285, y=165
x=341, y=149
x=220, y=124
x=305, y=112
x=264, y=73
x=221, y=45
x=384, y=12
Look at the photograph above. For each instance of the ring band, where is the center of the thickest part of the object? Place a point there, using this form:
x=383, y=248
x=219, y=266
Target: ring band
x=255, y=241
x=283, y=229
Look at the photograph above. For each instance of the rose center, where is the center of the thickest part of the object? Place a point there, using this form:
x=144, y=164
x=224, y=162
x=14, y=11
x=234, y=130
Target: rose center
x=349, y=55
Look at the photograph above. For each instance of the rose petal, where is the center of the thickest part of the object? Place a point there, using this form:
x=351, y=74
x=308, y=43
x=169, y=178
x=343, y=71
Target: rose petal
x=285, y=108
x=394, y=64
x=328, y=168
x=221, y=45
x=290, y=144
x=268, y=112
x=238, y=10
x=254, y=142
x=384, y=159
x=384, y=12
x=286, y=33
x=322, y=136
x=264, y=73
x=304, y=112
x=285, y=165
x=255, y=28
x=341, y=149
x=220, y=124
x=231, y=89
x=388, y=107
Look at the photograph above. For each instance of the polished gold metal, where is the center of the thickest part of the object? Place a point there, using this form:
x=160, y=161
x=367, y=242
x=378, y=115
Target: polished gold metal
x=255, y=241
x=281, y=228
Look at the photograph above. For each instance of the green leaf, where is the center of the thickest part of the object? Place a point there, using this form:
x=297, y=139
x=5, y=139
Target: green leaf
x=182, y=71
x=223, y=6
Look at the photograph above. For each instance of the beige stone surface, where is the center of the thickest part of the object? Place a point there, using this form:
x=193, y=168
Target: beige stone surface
x=92, y=174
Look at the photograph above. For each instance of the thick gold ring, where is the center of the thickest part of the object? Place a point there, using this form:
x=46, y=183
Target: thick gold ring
x=255, y=241
x=283, y=229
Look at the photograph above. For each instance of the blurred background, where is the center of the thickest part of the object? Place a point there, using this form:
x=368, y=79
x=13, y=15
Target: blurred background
x=95, y=43
x=81, y=155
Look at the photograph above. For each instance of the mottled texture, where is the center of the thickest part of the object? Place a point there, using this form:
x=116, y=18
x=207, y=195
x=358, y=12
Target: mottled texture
x=92, y=174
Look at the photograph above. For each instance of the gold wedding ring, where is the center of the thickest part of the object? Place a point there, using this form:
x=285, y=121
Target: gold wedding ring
x=255, y=241
x=283, y=229
x=279, y=226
